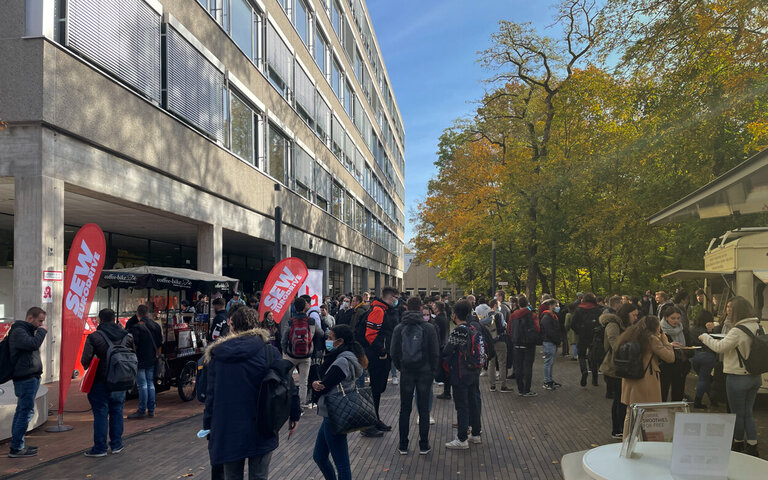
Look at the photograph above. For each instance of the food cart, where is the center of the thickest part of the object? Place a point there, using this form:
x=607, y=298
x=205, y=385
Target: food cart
x=184, y=334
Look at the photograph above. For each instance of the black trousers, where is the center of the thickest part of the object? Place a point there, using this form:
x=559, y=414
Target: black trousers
x=618, y=409
x=421, y=383
x=466, y=399
x=378, y=371
x=524, y=358
x=587, y=354
x=673, y=378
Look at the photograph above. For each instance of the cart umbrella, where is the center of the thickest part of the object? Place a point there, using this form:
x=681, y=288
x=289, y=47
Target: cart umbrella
x=166, y=278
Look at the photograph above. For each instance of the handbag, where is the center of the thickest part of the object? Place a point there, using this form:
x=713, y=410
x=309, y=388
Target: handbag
x=350, y=411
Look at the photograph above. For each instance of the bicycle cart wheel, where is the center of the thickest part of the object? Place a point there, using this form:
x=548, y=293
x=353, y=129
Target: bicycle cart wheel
x=186, y=381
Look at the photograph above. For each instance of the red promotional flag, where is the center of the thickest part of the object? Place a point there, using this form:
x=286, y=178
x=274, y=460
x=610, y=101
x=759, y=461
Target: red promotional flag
x=282, y=284
x=84, y=264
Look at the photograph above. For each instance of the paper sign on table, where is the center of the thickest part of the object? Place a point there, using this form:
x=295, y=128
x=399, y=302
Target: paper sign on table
x=702, y=444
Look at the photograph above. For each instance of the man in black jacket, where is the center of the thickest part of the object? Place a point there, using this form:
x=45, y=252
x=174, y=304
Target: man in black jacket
x=218, y=326
x=585, y=319
x=147, y=342
x=25, y=338
x=107, y=406
x=415, y=352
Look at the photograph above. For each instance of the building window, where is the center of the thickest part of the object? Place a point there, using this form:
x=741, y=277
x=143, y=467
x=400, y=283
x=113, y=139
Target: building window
x=279, y=148
x=302, y=172
x=243, y=126
x=322, y=118
x=336, y=17
x=360, y=218
x=242, y=26
x=301, y=20
x=336, y=78
x=349, y=210
x=280, y=61
x=348, y=99
x=337, y=135
x=321, y=49
x=322, y=187
x=304, y=93
x=338, y=201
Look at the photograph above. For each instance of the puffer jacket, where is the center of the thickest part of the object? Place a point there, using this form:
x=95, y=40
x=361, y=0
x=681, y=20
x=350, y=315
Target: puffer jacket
x=613, y=329
x=734, y=339
x=24, y=342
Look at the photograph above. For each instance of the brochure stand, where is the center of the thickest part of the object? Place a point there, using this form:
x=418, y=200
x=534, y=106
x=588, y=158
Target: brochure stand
x=651, y=422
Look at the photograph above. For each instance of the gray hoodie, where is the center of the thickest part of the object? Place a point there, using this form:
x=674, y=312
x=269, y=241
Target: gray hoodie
x=347, y=362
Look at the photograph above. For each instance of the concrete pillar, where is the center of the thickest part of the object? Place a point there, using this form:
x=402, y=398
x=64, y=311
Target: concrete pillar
x=348, y=279
x=364, y=281
x=325, y=266
x=209, y=248
x=38, y=244
x=287, y=250
x=377, y=283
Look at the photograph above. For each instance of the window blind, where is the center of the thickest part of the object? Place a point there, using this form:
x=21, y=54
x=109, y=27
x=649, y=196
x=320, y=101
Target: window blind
x=338, y=132
x=323, y=114
x=122, y=36
x=278, y=55
x=304, y=91
x=302, y=167
x=322, y=182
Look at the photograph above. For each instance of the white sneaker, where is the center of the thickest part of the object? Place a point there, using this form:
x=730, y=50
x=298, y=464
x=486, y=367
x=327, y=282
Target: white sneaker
x=475, y=439
x=483, y=373
x=457, y=444
x=395, y=381
x=497, y=376
x=432, y=420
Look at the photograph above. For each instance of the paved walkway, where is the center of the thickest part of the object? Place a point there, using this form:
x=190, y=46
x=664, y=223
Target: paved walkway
x=523, y=438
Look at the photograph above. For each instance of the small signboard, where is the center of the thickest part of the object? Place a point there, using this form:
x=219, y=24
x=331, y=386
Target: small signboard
x=702, y=445
x=53, y=276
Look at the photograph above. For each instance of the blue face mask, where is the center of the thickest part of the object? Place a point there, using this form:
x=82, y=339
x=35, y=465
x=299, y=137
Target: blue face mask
x=557, y=309
x=397, y=302
x=329, y=345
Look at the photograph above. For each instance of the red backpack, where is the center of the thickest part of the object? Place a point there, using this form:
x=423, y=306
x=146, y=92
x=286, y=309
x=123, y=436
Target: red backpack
x=299, y=338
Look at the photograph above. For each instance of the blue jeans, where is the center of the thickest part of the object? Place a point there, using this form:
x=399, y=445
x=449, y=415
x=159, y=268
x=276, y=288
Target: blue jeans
x=145, y=380
x=703, y=362
x=25, y=391
x=550, y=350
x=107, y=416
x=336, y=445
x=393, y=370
x=742, y=392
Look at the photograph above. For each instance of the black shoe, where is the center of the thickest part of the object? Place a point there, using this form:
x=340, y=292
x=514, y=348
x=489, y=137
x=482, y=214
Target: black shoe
x=372, y=432
x=22, y=453
x=697, y=404
x=93, y=453
x=595, y=383
x=382, y=426
x=557, y=385
x=136, y=415
x=584, y=377
x=425, y=450
x=737, y=446
x=444, y=396
x=150, y=413
x=751, y=450
x=511, y=377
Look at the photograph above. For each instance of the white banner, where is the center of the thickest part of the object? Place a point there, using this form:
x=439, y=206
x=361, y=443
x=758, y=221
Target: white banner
x=313, y=287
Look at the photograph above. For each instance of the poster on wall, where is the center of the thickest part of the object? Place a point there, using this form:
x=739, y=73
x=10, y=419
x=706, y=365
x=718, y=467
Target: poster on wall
x=313, y=287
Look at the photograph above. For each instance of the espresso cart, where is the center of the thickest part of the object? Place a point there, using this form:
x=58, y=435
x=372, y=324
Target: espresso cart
x=184, y=334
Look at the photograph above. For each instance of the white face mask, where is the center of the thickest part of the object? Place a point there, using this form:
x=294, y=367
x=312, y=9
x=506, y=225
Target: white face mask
x=433, y=315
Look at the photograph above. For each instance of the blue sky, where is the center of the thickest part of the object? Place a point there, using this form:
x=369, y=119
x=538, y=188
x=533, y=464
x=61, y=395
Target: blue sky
x=430, y=51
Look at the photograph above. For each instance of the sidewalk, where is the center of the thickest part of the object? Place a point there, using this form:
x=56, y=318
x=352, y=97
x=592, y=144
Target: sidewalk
x=170, y=408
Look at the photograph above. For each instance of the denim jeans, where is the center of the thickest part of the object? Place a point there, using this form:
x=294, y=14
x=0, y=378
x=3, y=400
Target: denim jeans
x=550, y=350
x=25, y=391
x=336, y=445
x=501, y=359
x=421, y=383
x=145, y=380
x=393, y=370
x=258, y=468
x=742, y=392
x=703, y=363
x=107, y=410
x=466, y=399
x=524, y=358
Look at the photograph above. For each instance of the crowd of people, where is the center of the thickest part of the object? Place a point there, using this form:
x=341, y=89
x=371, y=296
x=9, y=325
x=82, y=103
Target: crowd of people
x=352, y=341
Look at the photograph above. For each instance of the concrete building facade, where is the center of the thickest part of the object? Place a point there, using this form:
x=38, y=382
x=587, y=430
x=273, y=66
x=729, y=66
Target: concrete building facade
x=170, y=123
x=422, y=280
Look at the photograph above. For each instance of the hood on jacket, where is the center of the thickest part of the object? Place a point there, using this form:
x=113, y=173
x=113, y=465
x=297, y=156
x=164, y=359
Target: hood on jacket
x=380, y=303
x=356, y=367
x=589, y=306
x=607, y=318
x=228, y=351
x=411, y=317
x=520, y=313
x=114, y=331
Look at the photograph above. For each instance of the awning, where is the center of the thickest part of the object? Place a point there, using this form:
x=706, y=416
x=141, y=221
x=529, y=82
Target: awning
x=741, y=190
x=762, y=275
x=166, y=278
x=694, y=274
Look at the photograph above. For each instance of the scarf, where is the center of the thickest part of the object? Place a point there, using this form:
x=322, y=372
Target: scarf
x=675, y=333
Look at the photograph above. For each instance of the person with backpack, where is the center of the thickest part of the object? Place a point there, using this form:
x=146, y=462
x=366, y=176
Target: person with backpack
x=640, y=348
x=745, y=358
x=615, y=325
x=296, y=337
x=550, y=337
x=114, y=348
x=374, y=333
x=342, y=366
x=586, y=318
x=237, y=366
x=415, y=352
x=525, y=333
x=24, y=367
x=496, y=325
x=466, y=358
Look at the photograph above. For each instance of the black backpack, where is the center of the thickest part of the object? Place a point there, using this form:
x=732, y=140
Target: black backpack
x=122, y=365
x=275, y=395
x=362, y=326
x=412, y=345
x=757, y=363
x=598, y=341
x=6, y=367
x=629, y=361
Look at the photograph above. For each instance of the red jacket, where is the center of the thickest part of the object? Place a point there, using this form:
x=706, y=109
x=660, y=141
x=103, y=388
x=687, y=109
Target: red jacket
x=375, y=320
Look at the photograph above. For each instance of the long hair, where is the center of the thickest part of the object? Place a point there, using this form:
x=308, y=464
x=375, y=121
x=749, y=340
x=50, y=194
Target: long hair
x=641, y=331
x=345, y=332
x=741, y=308
x=623, y=314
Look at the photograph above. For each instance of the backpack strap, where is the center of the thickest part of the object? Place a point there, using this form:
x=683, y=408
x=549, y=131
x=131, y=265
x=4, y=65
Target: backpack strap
x=751, y=335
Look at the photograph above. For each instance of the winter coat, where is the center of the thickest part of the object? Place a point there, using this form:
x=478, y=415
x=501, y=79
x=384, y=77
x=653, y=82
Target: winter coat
x=457, y=340
x=146, y=353
x=550, y=328
x=521, y=327
x=648, y=388
x=571, y=335
x=351, y=369
x=443, y=325
x=734, y=339
x=95, y=345
x=584, y=321
x=430, y=345
x=24, y=342
x=236, y=365
x=613, y=329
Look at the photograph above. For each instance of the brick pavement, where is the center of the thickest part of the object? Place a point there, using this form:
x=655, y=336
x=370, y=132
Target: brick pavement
x=523, y=438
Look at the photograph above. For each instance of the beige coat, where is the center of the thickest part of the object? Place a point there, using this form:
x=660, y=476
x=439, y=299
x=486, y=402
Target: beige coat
x=735, y=338
x=648, y=388
x=613, y=330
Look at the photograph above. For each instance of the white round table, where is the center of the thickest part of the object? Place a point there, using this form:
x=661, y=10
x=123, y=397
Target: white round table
x=652, y=460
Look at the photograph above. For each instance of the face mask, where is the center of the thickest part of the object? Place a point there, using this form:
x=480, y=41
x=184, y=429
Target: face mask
x=557, y=309
x=329, y=345
x=425, y=317
x=397, y=301
x=433, y=315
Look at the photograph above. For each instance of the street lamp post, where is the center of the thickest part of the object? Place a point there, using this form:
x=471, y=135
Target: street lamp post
x=493, y=266
x=278, y=230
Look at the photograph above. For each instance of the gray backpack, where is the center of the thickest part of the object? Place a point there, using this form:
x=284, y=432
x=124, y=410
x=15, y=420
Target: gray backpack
x=412, y=340
x=122, y=365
